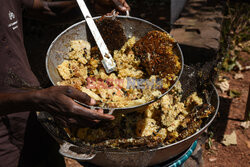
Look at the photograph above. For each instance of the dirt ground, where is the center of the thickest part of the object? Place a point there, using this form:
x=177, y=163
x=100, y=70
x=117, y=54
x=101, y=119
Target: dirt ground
x=230, y=117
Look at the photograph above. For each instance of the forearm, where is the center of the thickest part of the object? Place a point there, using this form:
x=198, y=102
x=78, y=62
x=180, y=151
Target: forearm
x=41, y=4
x=55, y=12
x=58, y=100
x=17, y=102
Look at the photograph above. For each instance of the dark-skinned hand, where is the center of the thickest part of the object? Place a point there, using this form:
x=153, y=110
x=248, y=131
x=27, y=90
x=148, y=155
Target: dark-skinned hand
x=103, y=7
x=58, y=100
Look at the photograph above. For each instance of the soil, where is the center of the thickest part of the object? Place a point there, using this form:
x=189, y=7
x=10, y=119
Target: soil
x=231, y=115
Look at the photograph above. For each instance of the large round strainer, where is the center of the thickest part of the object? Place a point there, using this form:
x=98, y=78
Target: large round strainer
x=132, y=27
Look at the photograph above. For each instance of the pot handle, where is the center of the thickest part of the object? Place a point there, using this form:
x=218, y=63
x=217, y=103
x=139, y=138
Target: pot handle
x=111, y=110
x=127, y=13
x=72, y=151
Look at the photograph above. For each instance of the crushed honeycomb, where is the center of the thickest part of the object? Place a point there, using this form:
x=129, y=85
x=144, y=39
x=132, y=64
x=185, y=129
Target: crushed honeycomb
x=129, y=86
x=167, y=120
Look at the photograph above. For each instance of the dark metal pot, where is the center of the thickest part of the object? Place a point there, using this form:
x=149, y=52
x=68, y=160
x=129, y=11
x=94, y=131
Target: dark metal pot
x=145, y=157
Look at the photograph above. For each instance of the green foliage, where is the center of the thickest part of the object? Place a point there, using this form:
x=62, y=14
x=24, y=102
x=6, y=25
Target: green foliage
x=234, y=93
x=228, y=63
x=209, y=142
x=235, y=31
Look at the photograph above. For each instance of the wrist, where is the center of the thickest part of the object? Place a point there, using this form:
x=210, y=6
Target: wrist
x=36, y=97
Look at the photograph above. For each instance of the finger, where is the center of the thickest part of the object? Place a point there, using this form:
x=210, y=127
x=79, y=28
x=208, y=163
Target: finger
x=121, y=5
x=78, y=95
x=100, y=111
x=126, y=6
x=92, y=114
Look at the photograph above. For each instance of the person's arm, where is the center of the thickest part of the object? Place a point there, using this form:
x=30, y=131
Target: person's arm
x=57, y=100
x=54, y=8
x=58, y=12
x=120, y=5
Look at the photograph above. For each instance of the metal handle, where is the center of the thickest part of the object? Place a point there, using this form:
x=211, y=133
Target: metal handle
x=107, y=61
x=111, y=111
x=71, y=151
x=93, y=28
x=127, y=13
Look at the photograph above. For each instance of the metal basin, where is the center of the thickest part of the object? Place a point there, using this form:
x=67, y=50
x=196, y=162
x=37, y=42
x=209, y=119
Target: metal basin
x=145, y=157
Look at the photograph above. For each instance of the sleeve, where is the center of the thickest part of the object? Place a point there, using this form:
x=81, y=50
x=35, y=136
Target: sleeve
x=27, y=3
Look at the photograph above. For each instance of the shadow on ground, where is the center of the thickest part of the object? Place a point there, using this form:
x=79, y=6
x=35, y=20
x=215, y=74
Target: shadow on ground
x=218, y=127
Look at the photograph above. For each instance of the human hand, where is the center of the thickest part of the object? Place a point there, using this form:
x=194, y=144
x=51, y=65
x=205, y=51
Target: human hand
x=58, y=100
x=105, y=6
x=121, y=5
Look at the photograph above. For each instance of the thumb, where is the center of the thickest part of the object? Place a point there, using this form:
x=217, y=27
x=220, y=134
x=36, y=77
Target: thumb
x=120, y=5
